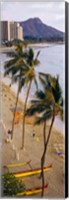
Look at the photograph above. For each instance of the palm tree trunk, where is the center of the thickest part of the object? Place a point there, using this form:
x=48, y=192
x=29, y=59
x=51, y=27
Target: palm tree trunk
x=24, y=113
x=53, y=118
x=15, y=113
x=44, y=153
x=42, y=159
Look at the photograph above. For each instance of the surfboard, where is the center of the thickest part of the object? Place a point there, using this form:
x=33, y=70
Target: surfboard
x=18, y=164
x=32, y=191
x=31, y=172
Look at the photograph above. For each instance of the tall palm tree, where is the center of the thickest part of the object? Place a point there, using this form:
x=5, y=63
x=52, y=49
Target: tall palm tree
x=16, y=66
x=48, y=103
x=30, y=76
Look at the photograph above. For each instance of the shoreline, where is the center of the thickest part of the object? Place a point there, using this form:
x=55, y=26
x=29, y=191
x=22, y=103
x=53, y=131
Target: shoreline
x=4, y=49
x=45, y=43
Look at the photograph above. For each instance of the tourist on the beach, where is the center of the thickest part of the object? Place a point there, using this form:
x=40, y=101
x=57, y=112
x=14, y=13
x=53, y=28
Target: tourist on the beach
x=9, y=135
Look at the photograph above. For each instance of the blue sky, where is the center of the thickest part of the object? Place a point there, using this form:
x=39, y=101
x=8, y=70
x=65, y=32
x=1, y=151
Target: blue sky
x=51, y=13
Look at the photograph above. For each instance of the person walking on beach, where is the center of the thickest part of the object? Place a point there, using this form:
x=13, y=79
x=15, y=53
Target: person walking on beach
x=9, y=135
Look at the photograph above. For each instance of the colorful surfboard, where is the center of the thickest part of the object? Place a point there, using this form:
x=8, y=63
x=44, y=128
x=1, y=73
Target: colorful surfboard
x=32, y=191
x=31, y=172
x=18, y=164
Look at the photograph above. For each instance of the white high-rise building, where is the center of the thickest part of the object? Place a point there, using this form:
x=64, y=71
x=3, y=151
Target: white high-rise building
x=5, y=30
x=11, y=31
x=8, y=30
x=20, y=31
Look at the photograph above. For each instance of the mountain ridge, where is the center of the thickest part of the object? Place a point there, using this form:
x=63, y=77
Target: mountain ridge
x=35, y=29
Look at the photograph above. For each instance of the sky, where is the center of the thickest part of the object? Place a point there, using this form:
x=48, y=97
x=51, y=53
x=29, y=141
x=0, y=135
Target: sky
x=50, y=13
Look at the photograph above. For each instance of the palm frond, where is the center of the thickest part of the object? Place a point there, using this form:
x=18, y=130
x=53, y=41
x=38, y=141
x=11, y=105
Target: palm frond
x=35, y=108
x=40, y=94
x=56, y=90
x=38, y=53
x=35, y=81
x=38, y=107
x=10, y=63
x=30, y=56
x=46, y=116
x=36, y=62
x=22, y=82
x=61, y=102
x=45, y=80
x=42, y=80
x=31, y=111
x=10, y=70
x=12, y=54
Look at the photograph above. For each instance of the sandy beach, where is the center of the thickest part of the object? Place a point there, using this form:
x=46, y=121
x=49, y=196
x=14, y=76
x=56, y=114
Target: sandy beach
x=33, y=149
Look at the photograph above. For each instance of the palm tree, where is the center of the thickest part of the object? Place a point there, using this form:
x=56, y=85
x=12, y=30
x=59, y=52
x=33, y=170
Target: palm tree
x=48, y=104
x=16, y=66
x=30, y=76
x=20, y=86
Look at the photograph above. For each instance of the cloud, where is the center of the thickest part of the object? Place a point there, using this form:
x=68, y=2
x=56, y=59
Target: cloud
x=49, y=12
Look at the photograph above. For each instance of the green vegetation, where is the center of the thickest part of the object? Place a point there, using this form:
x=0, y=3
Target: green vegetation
x=11, y=186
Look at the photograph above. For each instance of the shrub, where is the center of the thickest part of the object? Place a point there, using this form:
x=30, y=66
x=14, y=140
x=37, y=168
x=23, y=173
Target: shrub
x=11, y=186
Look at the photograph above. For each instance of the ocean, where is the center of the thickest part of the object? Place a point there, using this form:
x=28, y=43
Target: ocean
x=52, y=60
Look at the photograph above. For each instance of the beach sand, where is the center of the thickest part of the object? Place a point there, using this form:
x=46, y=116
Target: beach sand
x=32, y=150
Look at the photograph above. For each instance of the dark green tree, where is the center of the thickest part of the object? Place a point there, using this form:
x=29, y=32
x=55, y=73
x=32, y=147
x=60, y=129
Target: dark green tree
x=11, y=186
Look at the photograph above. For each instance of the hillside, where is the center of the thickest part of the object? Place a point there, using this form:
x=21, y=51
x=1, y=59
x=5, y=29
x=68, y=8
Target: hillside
x=36, y=30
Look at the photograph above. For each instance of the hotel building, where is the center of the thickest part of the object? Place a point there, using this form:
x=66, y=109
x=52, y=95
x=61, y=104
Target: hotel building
x=11, y=30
